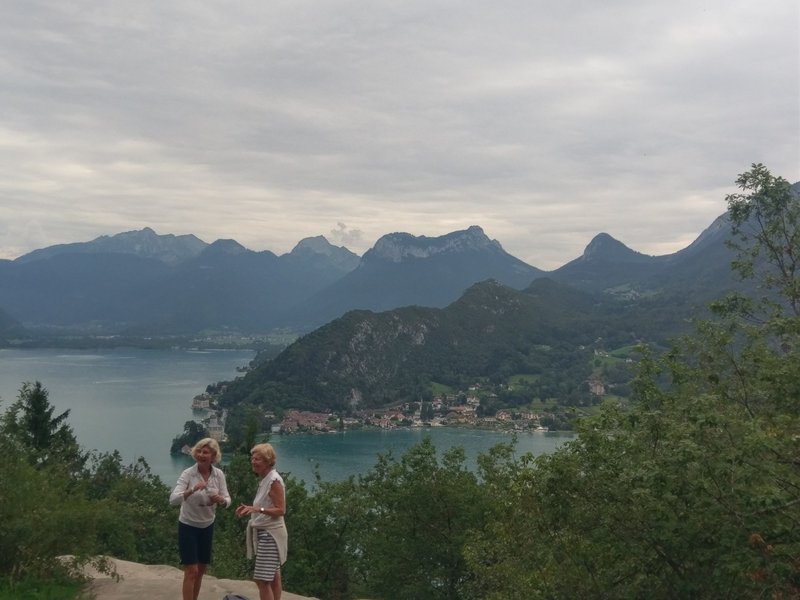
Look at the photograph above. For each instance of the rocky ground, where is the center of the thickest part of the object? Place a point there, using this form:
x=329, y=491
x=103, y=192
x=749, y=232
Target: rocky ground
x=136, y=581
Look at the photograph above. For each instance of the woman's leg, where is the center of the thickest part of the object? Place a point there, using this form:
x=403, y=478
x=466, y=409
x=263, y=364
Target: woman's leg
x=201, y=570
x=266, y=572
x=205, y=542
x=276, y=586
x=195, y=551
x=190, y=581
x=264, y=590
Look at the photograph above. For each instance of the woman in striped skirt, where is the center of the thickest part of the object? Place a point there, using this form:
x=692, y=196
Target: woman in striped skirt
x=266, y=532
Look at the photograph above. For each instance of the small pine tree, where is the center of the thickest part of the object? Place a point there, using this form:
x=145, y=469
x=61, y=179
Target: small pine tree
x=47, y=438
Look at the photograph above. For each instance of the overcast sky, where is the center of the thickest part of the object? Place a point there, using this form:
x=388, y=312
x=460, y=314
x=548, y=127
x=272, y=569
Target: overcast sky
x=545, y=123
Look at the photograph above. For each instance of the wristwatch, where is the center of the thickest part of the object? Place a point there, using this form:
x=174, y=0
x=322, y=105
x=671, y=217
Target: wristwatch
x=261, y=509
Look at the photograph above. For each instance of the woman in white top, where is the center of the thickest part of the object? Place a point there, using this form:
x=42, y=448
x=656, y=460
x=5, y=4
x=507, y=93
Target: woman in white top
x=199, y=490
x=266, y=531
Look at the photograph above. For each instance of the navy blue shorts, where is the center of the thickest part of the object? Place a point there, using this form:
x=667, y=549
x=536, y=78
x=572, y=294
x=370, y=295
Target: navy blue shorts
x=194, y=544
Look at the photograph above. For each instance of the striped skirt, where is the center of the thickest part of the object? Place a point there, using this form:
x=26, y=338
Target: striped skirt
x=267, y=558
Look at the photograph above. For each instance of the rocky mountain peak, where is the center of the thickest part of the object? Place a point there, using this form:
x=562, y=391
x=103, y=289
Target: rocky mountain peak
x=604, y=247
x=397, y=247
x=230, y=247
x=713, y=235
x=314, y=247
x=318, y=244
x=146, y=243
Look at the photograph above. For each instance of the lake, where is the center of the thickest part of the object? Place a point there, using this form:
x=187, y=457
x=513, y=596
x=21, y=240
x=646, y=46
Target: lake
x=342, y=454
x=136, y=401
x=127, y=399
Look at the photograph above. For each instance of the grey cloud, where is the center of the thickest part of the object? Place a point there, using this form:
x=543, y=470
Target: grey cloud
x=267, y=122
x=345, y=236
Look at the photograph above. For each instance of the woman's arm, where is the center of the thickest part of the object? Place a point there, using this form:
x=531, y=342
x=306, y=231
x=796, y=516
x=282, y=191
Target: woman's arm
x=223, y=496
x=278, y=509
x=181, y=490
x=278, y=497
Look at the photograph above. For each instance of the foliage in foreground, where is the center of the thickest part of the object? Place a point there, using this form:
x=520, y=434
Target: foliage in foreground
x=57, y=500
x=691, y=492
x=695, y=491
x=38, y=589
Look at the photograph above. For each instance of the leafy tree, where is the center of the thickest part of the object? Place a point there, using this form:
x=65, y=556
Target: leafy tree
x=56, y=500
x=134, y=520
x=765, y=220
x=39, y=520
x=419, y=513
x=695, y=491
x=426, y=412
x=244, y=421
x=325, y=527
x=193, y=432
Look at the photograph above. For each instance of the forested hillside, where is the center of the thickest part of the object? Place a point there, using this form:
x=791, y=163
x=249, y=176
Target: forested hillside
x=366, y=359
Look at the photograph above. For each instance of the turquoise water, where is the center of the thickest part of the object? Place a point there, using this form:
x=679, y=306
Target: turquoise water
x=338, y=455
x=127, y=399
x=136, y=401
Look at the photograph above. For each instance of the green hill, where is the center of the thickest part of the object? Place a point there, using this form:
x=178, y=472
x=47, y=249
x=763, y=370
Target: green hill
x=366, y=359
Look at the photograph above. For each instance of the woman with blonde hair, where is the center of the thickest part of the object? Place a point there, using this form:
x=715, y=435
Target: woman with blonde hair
x=266, y=532
x=199, y=490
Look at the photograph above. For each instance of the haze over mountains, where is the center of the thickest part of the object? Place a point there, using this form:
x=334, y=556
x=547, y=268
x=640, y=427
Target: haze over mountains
x=143, y=283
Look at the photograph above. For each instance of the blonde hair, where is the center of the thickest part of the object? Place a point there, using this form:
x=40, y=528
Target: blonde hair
x=265, y=451
x=211, y=443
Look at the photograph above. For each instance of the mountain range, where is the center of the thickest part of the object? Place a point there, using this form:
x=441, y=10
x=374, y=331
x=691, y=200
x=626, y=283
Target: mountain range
x=140, y=283
x=557, y=332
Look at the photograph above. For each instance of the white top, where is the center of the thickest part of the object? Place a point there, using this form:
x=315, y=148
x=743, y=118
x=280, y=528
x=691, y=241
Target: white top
x=197, y=510
x=276, y=526
x=262, y=499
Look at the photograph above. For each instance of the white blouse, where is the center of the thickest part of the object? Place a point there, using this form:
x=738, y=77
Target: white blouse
x=197, y=510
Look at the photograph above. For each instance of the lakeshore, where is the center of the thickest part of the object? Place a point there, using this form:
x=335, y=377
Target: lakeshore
x=136, y=401
x=336, y=455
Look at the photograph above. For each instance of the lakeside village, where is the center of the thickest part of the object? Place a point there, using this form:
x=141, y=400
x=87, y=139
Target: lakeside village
x=452, y=410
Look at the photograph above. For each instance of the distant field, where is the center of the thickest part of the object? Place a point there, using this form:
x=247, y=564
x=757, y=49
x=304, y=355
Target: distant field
x=624, y=351
x=439, y=389
x=522, y=379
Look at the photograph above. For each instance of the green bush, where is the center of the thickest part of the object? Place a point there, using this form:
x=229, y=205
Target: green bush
x=38, y=589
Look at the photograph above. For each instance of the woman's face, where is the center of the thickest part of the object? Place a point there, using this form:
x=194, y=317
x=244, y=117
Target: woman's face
x=259, y=464
x=204, y=455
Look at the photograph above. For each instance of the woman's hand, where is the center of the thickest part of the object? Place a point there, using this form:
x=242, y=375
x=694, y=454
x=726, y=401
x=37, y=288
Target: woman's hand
x=244, y=510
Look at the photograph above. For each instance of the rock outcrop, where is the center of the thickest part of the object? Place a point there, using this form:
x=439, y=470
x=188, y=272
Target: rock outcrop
x=135, y=581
